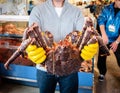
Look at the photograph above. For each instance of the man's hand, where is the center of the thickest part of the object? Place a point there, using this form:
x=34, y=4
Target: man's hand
x=37, y=55
x=89, y=51
x=6, y=66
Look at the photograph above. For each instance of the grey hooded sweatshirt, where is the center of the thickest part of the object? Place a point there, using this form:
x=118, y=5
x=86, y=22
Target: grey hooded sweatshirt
x=45, y=15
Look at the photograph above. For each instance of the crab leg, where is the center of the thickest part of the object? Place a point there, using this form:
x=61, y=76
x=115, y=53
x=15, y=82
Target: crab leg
x=18, y=52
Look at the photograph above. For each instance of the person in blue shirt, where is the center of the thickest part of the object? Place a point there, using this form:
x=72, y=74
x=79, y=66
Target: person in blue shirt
x=109, y=25
x=31, y=5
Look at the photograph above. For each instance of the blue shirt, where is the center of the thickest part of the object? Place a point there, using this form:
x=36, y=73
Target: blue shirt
x=110, y=21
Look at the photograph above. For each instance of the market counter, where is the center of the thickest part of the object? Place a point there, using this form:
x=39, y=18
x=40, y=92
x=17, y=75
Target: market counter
x=26, y=75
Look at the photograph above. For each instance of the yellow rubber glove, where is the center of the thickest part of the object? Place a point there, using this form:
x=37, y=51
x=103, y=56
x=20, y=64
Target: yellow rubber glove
x=89, y=51
x=37, y=55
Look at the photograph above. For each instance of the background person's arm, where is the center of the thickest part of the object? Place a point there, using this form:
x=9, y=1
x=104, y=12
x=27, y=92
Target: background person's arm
x=104, y=35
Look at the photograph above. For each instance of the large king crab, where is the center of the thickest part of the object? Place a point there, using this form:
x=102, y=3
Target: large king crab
x=63, y=57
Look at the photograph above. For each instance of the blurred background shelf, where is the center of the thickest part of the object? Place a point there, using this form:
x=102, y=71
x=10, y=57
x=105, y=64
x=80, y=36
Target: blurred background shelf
x=4, y=18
